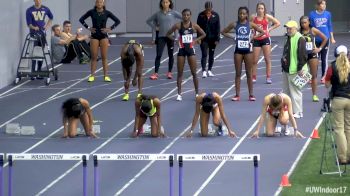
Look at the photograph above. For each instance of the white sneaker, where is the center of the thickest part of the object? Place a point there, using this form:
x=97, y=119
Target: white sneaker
x=204, y=75
x=298, y=115
x=196, y=95
x=179, y=98
x=210, y=74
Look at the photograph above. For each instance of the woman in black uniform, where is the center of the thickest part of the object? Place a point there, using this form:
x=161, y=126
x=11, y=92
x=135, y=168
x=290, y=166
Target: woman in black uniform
x=99, y=36
x=73, y=110
x=186, y=48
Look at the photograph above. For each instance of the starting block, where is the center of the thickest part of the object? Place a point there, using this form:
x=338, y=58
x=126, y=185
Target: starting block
x=27, y=130
x=13, y=128
x=288, y=131
x=147, y=129
x=96, y=129
x=214, y=130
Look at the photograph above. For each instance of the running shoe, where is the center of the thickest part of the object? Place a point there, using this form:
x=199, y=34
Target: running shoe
x=139, y=95
x=91, y=78
x=169, y=75
x=298, y=115
x=219, y=131
x=268, y=81
x=235, y=98
x=252, y=98
x=315, y=98
x=210, y=74
x=107, y=79
x=125, y=97
x=254, y=79
x=179, y=98
x=204, y=74
x=154, y=76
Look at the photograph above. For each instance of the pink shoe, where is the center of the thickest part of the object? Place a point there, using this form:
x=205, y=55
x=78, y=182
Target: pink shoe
x=252, y=98
x=235, y=98
x=169, y=75
x=154, y=76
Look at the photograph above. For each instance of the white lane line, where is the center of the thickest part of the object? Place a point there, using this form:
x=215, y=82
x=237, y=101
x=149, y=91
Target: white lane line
x=17, y=86
x=232, y=150
x=71, y=169
x=278, y=191
x=82, y=79
x=174, y=140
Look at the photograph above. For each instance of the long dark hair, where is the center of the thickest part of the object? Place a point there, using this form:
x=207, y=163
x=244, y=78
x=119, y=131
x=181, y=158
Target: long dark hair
x=207, y=103
x=72, y=108
x=170, y=6
x=146, y=104
x=302, y=18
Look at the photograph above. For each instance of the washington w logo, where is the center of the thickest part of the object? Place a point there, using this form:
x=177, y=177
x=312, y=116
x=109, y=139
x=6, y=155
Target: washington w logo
x=242, y=30
x=38, y=15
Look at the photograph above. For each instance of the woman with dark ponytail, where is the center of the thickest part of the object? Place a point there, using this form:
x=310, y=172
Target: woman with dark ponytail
x=148, y=107
x=73, y=110
x=207, y=103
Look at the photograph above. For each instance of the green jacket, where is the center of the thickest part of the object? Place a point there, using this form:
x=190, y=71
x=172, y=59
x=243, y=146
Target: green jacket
x=292, y=66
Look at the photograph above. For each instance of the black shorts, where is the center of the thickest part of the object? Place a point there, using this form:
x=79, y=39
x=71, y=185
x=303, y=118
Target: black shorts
x=186, y=52
x=312, y=56
x=263, y=42
x=243, y=52
x=99, y=36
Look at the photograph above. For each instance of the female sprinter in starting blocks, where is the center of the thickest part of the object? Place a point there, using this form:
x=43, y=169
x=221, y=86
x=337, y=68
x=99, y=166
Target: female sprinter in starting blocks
x=278, y=107
x=75, y=109
x=148, y=107
x=207, y=103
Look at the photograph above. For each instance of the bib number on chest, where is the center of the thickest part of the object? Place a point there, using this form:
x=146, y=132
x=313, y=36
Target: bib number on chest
x=309, y=46
x=243, y=44
x=187, y=39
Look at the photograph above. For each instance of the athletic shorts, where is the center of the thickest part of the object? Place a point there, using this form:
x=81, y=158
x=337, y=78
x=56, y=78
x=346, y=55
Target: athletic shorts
x=186, y=52
x=99, y=36
x=243, y=52
x=312, y=56
x=263, y=42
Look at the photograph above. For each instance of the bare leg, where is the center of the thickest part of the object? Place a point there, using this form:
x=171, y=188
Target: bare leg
x=193, y=67
x=180, y=70
x=238, y=58
x=267, y=55
x=204, y=121
x=313, y=63
x=94, y=45
x=248, y=61
x=104, y=52
x=72, y=127
x=270, y=125
x=256, y=52
x=154, y=126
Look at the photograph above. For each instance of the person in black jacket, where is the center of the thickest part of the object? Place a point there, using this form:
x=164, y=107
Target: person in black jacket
x=338, y=77
x=209, y=21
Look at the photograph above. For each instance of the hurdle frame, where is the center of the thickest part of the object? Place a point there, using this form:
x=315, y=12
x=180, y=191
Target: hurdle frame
x=11, y=157
x=255, y=158
x=117, y=157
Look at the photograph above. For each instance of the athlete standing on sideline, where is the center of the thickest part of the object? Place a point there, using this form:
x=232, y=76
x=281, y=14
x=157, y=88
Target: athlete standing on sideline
x=161, y=22
x=276, y=108
x=322, y=20
x=262, y=20
x=186, y=48
x=99, y=36
x=131, y=52
x=309, y=34
x=209, y=21
x=36, y=21
x=148, y=107
x=243, y=51
x=207, y=103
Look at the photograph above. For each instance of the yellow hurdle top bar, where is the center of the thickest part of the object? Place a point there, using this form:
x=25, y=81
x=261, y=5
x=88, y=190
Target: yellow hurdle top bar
x=47, y=157
x=133, y=157
x=218, y=157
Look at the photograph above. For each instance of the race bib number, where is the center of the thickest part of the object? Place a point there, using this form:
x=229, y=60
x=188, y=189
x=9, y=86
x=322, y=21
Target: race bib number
x=243, y=44
x=309, y=46
x=301, y=81
x=186, y=39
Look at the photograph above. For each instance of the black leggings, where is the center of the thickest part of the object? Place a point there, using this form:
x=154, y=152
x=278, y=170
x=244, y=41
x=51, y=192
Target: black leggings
x=76, y=49
x=205, y=45
x=41, y=42
x=324, y=56
x=161, y=41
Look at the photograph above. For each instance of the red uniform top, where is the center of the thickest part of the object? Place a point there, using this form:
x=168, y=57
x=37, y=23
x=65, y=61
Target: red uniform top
x=263, y=24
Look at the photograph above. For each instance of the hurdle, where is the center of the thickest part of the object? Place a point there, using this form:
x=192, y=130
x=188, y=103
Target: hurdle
x=1, y=173
x=219, y=157
x=11, y=157
x=132, y=157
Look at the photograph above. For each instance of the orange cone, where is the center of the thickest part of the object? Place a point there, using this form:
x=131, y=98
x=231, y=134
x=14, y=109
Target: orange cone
x=315, y=134
x=285, y=181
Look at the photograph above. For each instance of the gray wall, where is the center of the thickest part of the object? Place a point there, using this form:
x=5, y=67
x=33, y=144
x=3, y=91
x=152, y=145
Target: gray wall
x=13, y=30
x=77, y=8
x=287, y=10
